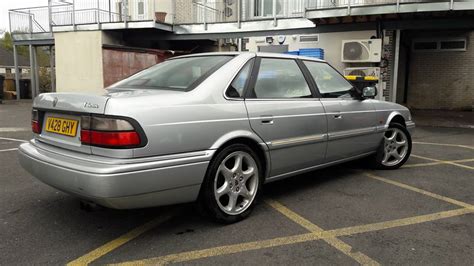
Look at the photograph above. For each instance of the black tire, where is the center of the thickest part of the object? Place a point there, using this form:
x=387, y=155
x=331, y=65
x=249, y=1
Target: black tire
x=377, y=159
x=207, y=201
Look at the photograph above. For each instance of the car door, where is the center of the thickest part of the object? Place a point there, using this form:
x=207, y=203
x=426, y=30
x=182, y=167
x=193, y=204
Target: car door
x=284, y=112
x=351, y=120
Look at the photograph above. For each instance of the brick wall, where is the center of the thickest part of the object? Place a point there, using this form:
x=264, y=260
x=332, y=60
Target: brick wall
x=442, y=80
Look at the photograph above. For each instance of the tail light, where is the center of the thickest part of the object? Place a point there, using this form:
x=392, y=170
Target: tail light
x=35, y=122
x=109, y=132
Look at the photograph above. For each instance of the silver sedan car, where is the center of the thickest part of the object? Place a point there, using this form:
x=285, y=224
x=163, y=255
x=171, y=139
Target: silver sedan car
x=211, y=128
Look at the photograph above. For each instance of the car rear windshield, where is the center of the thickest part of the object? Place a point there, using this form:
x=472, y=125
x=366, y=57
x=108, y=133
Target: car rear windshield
x=181, y=74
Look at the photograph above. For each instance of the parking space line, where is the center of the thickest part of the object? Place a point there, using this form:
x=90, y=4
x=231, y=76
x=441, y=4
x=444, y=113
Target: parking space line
x=334, y=242
x=116, y=243
x=444, y=144
x=437, y=163
x=421, y=191
x=11, y=139
x=12, y=149
x=445, y=162
x=290, y=240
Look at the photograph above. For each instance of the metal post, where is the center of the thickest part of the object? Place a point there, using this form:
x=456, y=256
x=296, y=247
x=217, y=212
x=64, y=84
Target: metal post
x=37, y=78
x=395, y=66
x=125, y=12
x=98, y=14
x=30, y=23
x=239, y=13
x=50, y=16
x=205, y=14
x=110, y=12
x=32, y=73
x=52, y=69
x=274, y=9
x=73, y=15
x=17, y=74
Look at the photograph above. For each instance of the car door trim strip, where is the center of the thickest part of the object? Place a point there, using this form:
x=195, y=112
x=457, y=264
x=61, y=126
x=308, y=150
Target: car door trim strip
x=351, y=133
x=298, y=140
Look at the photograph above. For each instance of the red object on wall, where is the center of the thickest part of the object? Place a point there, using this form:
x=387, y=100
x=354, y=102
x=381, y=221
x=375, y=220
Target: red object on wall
x=120, y=62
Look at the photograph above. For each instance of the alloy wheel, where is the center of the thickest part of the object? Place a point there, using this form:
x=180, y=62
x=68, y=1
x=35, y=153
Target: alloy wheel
x=395, y=147
x=236, y=182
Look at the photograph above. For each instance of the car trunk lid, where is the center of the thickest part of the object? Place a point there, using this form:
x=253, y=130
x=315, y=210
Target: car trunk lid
x=60, y=115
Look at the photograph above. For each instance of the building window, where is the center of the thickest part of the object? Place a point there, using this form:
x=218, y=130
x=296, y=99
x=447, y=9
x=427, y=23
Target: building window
x=440, y=45
x=264, y=8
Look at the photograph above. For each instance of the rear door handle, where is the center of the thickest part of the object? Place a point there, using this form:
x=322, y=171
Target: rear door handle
x=266, y=119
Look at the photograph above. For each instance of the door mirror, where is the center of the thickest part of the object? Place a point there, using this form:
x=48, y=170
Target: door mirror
x=369, y=92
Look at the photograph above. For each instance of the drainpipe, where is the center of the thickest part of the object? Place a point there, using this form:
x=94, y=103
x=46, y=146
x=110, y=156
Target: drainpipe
x=98, y=14
x=125, y=11
x=451, y=5
x=349, y=7
x=110, y=11
x=53, y=69
x=395, y=66
x=205, y=14
x=50, y=16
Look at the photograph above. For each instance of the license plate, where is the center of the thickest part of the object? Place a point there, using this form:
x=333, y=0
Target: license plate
x=62, y=126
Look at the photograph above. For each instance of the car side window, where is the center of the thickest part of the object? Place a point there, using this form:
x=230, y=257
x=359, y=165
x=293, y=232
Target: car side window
x=329, y=82
x=280, y=78
x=236, y=88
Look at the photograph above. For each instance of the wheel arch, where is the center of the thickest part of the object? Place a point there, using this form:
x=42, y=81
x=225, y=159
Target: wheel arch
x=396, y=117
x=247, y=138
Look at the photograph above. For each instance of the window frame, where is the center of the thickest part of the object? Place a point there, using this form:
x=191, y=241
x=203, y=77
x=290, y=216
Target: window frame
x=316, y=85
x=247, y=82
x=256, y=70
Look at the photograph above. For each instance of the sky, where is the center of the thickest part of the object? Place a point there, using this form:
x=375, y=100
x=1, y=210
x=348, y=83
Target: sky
x=5, y=5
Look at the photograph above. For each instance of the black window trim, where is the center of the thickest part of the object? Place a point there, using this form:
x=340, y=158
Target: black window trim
x=256, y=70
x=247, y=82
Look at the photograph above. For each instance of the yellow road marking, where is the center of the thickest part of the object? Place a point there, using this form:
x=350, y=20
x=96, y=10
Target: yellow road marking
x=116, y=243
x=445, y=162
x=421, y=191
x=443, y=144
x=289, y=240
x=436, y=163
x=334, y=242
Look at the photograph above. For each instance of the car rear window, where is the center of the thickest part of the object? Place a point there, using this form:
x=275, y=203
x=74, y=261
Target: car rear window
x=181, y=74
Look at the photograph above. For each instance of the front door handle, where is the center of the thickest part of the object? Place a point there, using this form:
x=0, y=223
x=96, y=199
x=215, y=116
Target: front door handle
x=338, y=116
x=266, y=119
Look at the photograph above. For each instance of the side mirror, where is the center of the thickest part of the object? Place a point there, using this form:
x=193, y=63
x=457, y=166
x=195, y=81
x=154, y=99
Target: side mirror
x=369, y=92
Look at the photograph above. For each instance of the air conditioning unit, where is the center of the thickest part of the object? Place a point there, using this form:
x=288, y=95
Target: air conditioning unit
x=361, y=51
x=362, y=71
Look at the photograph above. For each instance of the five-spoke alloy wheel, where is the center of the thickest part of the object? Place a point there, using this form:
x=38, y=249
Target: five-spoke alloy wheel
x=232, y=184
x=395, y=148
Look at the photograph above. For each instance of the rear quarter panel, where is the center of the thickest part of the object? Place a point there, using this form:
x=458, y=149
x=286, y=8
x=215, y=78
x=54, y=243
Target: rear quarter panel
x=198, y=120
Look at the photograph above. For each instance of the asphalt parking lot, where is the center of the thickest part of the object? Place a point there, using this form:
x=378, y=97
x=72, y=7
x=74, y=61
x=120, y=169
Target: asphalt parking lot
x=419, y=214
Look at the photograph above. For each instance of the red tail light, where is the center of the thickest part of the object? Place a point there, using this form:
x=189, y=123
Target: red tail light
x=35, y=124
x=109, y=132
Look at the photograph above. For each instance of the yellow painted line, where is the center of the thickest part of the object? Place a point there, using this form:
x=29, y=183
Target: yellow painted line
x=436, y=163
x=116, y=243
x=445, y=162
x=421, y=191
x=444, y=144
x=398, y=223
x=334, y=242
x=289, y=240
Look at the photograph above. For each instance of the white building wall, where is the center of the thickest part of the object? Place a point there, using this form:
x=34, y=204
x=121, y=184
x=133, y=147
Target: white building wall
x=79, y=61
x=330, y=42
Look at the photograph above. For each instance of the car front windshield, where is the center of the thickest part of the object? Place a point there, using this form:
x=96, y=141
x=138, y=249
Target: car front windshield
x=181, y=74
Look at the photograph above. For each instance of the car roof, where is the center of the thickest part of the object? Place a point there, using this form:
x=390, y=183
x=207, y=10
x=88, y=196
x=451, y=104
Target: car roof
x=260, y=54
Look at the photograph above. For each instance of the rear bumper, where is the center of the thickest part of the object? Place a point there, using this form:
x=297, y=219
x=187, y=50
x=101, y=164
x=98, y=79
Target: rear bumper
x=119, y=183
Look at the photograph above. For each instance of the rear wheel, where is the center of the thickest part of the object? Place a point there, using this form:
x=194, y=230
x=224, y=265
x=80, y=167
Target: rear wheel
x=395, y=148
x=232, y=184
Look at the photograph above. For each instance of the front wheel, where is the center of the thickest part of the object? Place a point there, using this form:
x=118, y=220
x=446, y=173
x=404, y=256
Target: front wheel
x=231, y=185
x=395, y=148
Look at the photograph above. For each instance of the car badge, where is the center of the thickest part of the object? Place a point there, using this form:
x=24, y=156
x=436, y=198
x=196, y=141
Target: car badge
x=55, y=101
